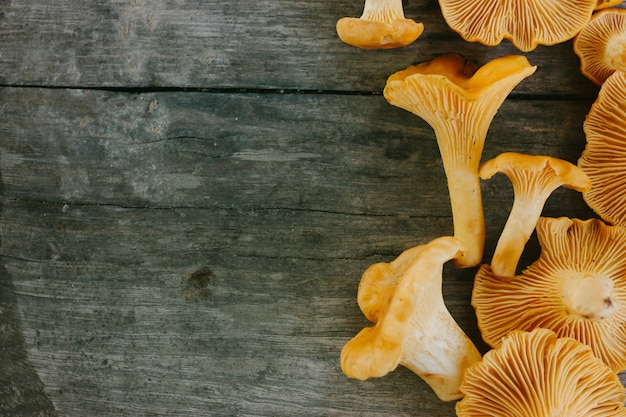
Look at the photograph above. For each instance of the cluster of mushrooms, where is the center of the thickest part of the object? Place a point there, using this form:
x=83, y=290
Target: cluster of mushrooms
x=557, y=329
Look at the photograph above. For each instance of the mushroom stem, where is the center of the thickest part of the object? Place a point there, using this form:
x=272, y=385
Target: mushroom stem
x=382, y=10
x=616, y=52
x=522, y=220
x=589, y=296
x=467, y=213
x=444, y=355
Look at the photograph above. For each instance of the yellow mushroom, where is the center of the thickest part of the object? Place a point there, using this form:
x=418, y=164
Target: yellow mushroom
x=413, y=326
x=601, y=45
x=526, y=23
x=459, y=102
x=576, y=288
x=382, y=25
x=604, y=156
x=534, y=178
x=537, y=374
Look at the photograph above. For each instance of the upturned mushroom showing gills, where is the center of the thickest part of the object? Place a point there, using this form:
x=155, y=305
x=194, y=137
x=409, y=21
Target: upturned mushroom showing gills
x=534, y=178
x=601, y=45
x=577, y=288
x=413, y=326
x=526, y=23
x=459, y=102
x=381, y=26
x=537, y=374
x=604, y=156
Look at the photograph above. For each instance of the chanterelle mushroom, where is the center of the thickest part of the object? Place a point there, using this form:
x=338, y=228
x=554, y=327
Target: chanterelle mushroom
x=413, y=326
x=526, y=23
x=577, y=288
x=601, y=45
x=604, y=156
x=382, y=25
x=534, y=178
x=459, y=102
x=537, y=374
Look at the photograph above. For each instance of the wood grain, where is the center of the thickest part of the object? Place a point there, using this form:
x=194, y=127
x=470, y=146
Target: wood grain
x=190, y=192
x=263, y=44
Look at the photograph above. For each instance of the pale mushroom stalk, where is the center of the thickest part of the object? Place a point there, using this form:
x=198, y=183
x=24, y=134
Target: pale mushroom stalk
x=459, y=102
x=534, y=178
x=589, y=296
x=382, y=25
x=413, y=328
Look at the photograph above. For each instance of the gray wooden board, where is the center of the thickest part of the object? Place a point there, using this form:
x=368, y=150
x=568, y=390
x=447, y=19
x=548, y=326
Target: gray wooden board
x=190, y=191
x=199, y=253
x=277, y=44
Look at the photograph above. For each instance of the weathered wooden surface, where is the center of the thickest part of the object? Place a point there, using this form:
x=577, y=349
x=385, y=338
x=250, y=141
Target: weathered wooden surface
x=191, y=191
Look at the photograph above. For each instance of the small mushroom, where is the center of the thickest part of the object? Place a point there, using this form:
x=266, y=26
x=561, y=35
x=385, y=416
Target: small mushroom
x=525, y=23
x=601, y=45
x=413, y=326
x=533, y=178
x=577, y=288
x=382, y=25
x=604, y=156
x=459, y=102
x=537, y=374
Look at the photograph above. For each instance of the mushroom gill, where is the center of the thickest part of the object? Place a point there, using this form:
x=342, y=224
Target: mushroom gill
x=601, y=45
x=604, y=156
x=525, y=23
x=538, y=374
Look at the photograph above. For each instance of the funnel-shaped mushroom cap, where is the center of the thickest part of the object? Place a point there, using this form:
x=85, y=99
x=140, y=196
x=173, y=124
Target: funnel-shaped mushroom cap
x=379, y=281
x=459, y=102
x=414, y=328
x=382, y=25
x=525, y=23
x=603, y=4
x=601, y=45
x=537, y=374
x=576, y=288
x=534, y=178
x=604, y=156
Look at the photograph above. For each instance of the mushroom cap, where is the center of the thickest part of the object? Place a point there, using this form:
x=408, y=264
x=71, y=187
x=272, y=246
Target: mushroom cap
x=604, y=156
x=379, y=281
x=601, y=45
x=381, y=26
x=537, y=374
x=536, y=174
x=603, y=4
x=449, y=91
x=525, y=23
x=577, y=288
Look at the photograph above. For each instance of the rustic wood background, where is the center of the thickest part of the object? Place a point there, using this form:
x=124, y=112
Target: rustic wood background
x=190, y=191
